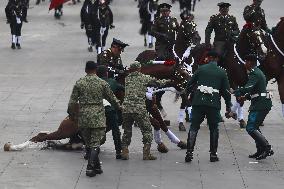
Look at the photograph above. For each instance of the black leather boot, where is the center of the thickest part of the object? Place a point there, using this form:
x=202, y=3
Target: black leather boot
x=214, y=137
x=191, y=139
x=263, y=143
x=93, y=159
x=258, y=151
x=98, y=167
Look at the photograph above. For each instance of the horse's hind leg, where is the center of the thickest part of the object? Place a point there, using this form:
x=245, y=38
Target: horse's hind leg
x=145, y=41
x=280, y=81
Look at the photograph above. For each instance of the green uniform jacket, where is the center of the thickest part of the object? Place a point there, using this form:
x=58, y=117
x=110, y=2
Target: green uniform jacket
x=255, y=15
x=90, y=91
x=256, y=85
x=135, y=91
x=164, y=29
x=225, y=28
x=210, y=75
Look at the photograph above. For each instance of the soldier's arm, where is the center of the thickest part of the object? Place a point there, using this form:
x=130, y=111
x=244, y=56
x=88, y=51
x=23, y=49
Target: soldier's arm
x=248, y=87
x=110, y=16
x=209, y=29
x=264, y=24
x=236, y=30
x=73, y=101
x=225, y=91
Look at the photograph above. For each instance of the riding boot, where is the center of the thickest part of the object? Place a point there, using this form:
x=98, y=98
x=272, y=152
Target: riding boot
x=263, y=143
x=124, y=153
x=257, y=153
x=93, y=159
x=214, y=136
x=146, y=153
x=13, y=46
x=191, y=138
x=87, y=153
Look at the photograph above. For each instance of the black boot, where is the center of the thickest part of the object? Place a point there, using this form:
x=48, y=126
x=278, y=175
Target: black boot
x=258, y=151
x=93, y=159
x=263, y=143
x=98, y=167
x=190, y=145
x=87, y=153
x=214, y=137
x=13, y=46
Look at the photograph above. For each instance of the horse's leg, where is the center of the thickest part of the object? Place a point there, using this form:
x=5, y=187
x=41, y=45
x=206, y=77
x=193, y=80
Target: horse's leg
x=104, y=39
x=280, y=81
x=145, y=40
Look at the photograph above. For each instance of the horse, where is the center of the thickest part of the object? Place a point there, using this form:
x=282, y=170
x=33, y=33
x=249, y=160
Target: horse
x=178, y=50
x=274, y=60
x=148, y=11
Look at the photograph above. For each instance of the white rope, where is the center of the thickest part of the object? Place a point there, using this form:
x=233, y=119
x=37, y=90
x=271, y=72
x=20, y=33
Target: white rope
x=175, y=54
x=237, y=54
x=274, y=43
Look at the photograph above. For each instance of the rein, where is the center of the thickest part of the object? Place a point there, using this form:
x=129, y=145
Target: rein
x=275, y=45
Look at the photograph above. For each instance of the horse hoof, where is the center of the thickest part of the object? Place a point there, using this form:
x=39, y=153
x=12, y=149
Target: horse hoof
x=7, y=147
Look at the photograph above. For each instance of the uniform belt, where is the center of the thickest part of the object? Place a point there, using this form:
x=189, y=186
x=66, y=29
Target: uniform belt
x=207, y=90
x=266, y=95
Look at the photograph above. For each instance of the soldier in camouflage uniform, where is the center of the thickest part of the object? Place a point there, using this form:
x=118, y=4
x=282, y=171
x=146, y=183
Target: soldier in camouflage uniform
x=134, y=110
x=89, y=92
x=225, y=27
x=212, y=83
x=164, y=30
x=111, y=57
x=261, y=103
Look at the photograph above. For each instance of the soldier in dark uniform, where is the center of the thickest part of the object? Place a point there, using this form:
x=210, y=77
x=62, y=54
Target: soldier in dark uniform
x=261, y=103
x=111, y=57
x=212, y=83
x=164, y=29
x=8, y=11
x=225, y=27
x=112, y=119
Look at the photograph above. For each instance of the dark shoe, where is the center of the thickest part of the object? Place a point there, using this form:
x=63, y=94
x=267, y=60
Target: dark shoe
x=90, y=171
x=188, y=157
x=162, y=148
x=90, y=49
x=182, y=145
x=181, y=127
x=25, y=20
x=18, y=46
x=94, y=165
x=150, y=45
x=267, y=152
x=255, y=155
x=118, y=156
x=13, y=46
x=213, y=157
x=243, y=124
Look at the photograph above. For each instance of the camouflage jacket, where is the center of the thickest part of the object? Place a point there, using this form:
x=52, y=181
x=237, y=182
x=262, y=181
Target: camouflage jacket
x=135, y=92
x=164, y=29
x=225, y=28
x=90, y=91
x=107, y=58
x=256, y=16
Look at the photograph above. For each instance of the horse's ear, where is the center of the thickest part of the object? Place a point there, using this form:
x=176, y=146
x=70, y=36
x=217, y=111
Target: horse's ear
x=282, y=18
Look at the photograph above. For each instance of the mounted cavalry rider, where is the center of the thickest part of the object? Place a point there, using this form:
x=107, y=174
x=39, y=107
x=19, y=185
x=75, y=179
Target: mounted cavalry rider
x=164, y=29
x=89, y=21
x=111, y=57
x=225, y=27
x=255, y=22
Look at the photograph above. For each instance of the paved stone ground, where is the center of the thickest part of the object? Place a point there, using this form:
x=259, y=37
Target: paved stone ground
x=35, y=85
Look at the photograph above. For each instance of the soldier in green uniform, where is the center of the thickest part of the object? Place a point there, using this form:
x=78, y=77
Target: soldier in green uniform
x=111, y=57
x=164, y=30
x=212, y=83
x=134, y=110
x=261, y=103
x=112, y=119
x=89, y=92
x=225, y=27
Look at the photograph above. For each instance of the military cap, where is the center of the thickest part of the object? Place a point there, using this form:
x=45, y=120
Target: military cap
x=135, y=65
x=222, y=4
x=251, y=57
x=165, y=6
x=119, y=43
x=90, y=65
x=185, y=13
x=213, y=54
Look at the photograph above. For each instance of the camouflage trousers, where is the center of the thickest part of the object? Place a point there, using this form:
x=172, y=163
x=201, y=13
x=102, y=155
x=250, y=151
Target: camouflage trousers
x=93, y=136
x=143, y=122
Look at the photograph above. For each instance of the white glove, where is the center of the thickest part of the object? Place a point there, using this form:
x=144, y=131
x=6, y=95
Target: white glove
x=186, y=53
x=102, y=30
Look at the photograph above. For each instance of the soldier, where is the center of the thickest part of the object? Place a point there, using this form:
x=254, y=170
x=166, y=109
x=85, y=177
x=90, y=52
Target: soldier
x=15, y=18
x=212, y=83
x=255, y=89
x=112, y=119
x=89, y=92
x=111, y=57
x=164, y=30
x=225, y=27
x=134, y=110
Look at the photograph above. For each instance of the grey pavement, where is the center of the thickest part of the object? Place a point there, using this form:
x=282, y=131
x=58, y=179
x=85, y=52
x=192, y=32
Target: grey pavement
x=35, y=85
